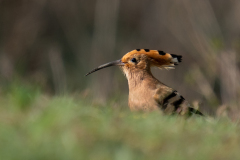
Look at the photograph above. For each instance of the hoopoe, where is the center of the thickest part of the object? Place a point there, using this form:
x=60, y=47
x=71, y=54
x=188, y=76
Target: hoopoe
x=146, y=93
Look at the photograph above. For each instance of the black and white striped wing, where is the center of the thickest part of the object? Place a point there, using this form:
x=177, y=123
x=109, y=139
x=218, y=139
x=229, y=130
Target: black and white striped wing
x=171, y=102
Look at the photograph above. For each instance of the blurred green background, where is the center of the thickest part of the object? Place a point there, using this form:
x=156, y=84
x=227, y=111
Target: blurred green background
x=50, y=110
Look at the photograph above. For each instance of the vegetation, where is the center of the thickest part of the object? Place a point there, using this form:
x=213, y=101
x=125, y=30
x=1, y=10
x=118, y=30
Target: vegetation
x=39, y=126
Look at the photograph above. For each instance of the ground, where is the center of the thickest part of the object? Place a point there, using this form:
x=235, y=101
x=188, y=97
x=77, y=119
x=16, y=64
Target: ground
x=34, y=125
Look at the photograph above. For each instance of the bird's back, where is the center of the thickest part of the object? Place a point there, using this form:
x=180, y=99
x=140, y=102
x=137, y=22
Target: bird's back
x=151, y=94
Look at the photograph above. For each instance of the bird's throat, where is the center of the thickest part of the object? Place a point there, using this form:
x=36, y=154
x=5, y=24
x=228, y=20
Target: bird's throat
x=138, y=78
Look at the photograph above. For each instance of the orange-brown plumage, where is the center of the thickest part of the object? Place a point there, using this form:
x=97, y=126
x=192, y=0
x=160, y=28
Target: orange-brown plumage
x=146, y=93
x=155, y=57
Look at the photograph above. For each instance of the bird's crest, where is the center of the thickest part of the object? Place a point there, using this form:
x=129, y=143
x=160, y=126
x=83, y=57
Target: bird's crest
x=158, y=58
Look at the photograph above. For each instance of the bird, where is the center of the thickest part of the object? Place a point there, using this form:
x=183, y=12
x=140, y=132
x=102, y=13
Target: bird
x=146, y=93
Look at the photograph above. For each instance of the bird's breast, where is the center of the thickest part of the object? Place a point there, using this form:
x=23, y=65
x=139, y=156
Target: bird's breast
x=142, y=100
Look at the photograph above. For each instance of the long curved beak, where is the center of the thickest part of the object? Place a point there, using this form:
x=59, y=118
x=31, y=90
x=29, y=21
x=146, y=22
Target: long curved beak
x=114, y=63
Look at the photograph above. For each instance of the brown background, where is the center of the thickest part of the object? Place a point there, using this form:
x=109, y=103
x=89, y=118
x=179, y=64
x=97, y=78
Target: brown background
x=54, y=43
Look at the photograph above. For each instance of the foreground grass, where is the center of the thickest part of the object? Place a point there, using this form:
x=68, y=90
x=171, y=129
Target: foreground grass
x=66, y=128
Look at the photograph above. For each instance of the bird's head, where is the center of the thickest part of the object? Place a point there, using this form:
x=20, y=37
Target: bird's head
x=143, y=59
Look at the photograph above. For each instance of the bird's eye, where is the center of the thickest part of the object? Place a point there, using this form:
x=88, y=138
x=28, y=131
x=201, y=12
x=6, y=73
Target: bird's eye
x=133, y=60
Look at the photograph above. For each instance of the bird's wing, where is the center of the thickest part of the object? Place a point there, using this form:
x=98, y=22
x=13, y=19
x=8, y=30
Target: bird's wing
x=171, y=102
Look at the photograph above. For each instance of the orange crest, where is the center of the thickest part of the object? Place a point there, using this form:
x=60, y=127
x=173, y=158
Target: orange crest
x=157, y=58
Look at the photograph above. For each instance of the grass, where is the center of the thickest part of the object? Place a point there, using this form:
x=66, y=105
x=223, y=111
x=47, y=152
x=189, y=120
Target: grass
x=37, y=126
